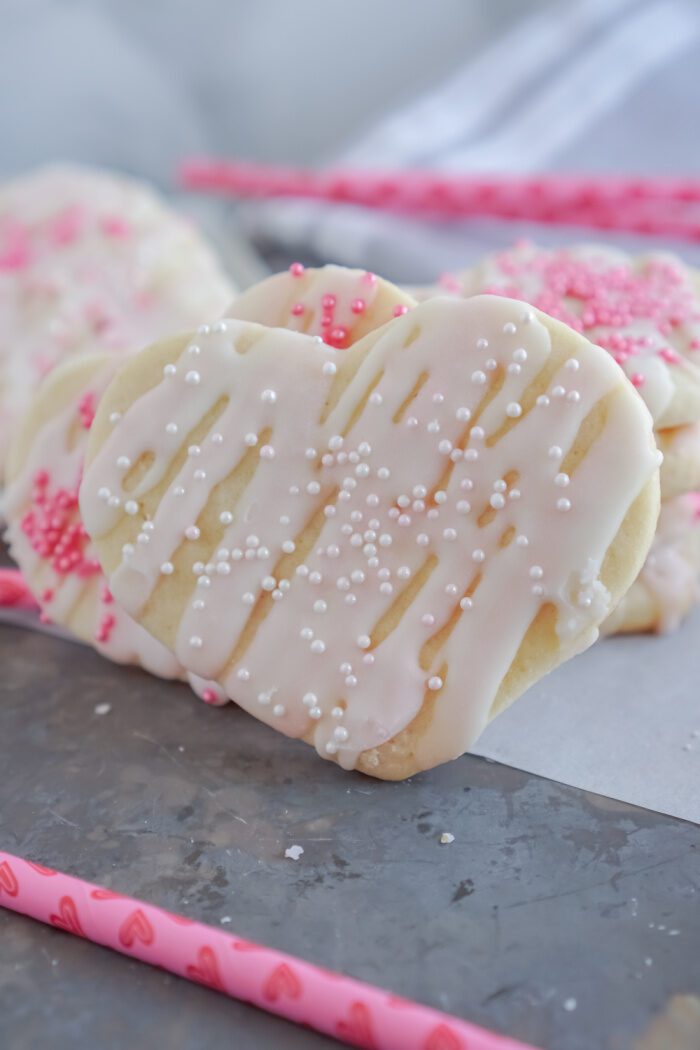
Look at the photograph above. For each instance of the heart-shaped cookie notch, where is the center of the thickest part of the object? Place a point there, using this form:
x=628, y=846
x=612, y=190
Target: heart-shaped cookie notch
x=375, y=549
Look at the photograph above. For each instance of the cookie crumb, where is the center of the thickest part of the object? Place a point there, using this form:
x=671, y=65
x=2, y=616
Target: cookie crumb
x=225, y=920
x=293, y=852
x=446, y=838
x=102, y=709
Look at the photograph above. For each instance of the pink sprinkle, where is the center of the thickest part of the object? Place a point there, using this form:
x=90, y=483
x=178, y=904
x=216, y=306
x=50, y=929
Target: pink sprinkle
x=114, y=226
x=358, y=306
x=15, y=258
x=449, y=282
x=637, y=379
x=670, y=356
x=47, y=595
x=695, y=344
x=337, y=336
x=298, y=309
x=369, y=278
x=209, y=696
x=86, y=410
x=105, y=628
x=328, y=302
x=296, y=269
x=65, y=228
x=400, y=310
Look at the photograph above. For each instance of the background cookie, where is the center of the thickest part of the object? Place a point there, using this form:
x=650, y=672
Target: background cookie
x=644, y=310
x=45, y=465
x=668, y=586
x=45, y=532
x=91, y=261
x=680, y=470
x=375, y=549
x=338, y=304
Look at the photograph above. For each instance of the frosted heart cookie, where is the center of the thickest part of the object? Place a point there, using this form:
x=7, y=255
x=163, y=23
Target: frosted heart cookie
x=645, y=311
x=45, y=464
x=680, y=470
x=668, y=586
x=45, y=532
x=333, y=303
x=375, y=549
x=91, y=261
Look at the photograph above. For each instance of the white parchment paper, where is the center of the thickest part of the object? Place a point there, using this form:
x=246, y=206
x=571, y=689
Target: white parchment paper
x=622, y=720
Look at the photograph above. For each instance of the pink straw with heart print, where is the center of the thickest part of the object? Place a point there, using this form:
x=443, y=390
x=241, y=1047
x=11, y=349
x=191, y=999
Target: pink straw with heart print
x=14, y=591
x=339, y=1006
x=668, y=206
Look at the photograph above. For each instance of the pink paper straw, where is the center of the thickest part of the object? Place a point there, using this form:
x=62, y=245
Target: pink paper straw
x=14, y=592
x=669, y=206
x=339, y=1006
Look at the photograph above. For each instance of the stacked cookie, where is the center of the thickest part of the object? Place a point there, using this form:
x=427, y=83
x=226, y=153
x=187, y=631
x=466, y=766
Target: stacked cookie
x=370, y=522
x=44, y=528
x=645, y=312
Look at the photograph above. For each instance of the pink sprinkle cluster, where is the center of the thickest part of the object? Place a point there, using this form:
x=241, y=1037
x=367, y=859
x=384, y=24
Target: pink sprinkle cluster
x=55, y=530
x=591, y=293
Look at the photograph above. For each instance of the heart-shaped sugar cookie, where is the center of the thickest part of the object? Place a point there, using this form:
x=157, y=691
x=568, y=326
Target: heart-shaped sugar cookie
x=375, y=549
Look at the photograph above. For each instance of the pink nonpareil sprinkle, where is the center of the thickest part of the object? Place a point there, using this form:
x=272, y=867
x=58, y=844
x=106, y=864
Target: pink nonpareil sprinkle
x=86, y=409
x=55, y=531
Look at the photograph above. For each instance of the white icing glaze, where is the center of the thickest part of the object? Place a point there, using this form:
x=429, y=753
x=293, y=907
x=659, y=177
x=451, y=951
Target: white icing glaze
x=89, y=261
x=388, y=517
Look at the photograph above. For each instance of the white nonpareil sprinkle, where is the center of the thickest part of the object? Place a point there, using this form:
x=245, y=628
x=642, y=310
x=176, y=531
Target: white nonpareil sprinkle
x=102, y=709
x=446, y=838
x=293, y=852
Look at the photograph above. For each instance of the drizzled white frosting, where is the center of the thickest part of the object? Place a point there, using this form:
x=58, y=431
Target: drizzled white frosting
x=434, y=475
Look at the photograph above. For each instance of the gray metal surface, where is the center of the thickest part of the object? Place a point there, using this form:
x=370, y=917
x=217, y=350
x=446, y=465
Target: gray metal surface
x=559, y=917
